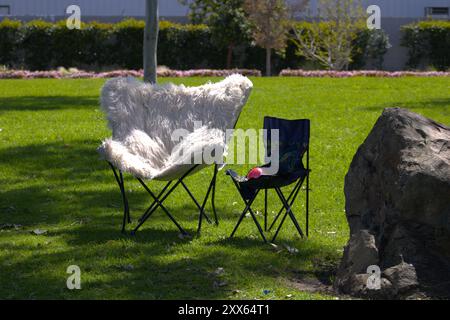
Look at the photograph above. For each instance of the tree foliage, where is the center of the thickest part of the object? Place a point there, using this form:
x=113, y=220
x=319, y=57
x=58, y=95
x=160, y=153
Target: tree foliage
x=330, y=40
x=268, y=19
x=269, y=22
x=226, y=19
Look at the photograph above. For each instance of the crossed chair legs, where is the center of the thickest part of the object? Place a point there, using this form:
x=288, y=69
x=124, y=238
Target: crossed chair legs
x=162, y=196
x=286, y=206
x=165, y=192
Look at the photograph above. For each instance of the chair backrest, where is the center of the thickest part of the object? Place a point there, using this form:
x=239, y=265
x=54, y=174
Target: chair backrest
x=293, y=142
x=159, y=110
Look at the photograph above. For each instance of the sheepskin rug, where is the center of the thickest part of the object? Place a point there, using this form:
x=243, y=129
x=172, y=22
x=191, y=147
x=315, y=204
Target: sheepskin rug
x=146, y=122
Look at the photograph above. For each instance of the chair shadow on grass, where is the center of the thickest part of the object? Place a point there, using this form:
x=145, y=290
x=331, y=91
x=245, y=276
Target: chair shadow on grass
x=42, y=103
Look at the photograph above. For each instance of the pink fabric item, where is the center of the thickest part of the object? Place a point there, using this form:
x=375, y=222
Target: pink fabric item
x=255, y=173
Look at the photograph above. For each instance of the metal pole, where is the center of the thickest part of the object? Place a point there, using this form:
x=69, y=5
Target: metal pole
x=151, y=40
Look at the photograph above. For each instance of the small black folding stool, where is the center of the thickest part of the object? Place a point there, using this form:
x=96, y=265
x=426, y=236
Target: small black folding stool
x=293, y=146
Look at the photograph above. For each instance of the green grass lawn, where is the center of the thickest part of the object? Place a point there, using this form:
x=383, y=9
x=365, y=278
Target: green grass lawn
x=51, y=178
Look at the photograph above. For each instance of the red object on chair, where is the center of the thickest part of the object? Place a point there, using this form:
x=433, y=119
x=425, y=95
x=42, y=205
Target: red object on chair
x=255, y=173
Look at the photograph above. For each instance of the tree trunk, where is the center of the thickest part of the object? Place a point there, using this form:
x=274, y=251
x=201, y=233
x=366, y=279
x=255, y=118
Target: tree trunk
x=268, y=62
x=151, y=40
x=230, y=55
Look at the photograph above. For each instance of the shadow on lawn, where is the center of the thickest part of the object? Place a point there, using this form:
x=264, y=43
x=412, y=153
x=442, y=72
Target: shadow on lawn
x=42, y=103
x=56, y=161
x=135, y=270
x=68, y=181
x=435, y=104
x=66, y=189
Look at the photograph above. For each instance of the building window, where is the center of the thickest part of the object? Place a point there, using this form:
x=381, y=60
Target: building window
x=5, y=10
x=437, y=12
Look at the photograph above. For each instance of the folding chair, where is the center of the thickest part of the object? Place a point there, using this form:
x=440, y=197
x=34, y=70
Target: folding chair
x=293, y=146
x=144, y=119
x=163, y=195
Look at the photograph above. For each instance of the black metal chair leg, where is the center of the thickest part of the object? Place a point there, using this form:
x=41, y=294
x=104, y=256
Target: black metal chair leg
x=213, y=196
x=126, y=210
x=279, y=227
x=307, y=206
x=144, y=216
x=291, y=199
x=195, y=200
x=184, y=232
x=265, y=209
x=240, y=219
x=159, y=204
x=307, y=192
x=202, y=209
x=125, y=215
x=289, y=211
x=125, y=200
x=248, y=207
x=261, y=232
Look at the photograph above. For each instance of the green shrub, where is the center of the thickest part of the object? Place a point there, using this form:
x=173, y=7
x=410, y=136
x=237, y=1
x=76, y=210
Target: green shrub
x=40, y=45
x=46, y=45
x=428, y=42
x=188, y=47
x=67, y=46
x=369, y=49
x=97, y=49
x=37, y=44
x=9, y=39
x=179, y=46
x=128, y=48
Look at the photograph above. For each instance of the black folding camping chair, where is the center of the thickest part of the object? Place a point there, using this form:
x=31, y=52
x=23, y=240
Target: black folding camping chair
x=293, y=145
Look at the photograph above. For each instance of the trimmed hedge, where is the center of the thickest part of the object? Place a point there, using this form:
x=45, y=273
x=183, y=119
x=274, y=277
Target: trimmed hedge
x=40, y=45
x=428, y=43
x=9, y=39
x=128, y=46
x=37, y=44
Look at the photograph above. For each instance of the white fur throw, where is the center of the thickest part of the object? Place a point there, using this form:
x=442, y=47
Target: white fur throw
x=143, y=118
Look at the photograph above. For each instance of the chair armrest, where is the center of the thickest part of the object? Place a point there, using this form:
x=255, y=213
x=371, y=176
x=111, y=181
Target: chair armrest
x=235, y=176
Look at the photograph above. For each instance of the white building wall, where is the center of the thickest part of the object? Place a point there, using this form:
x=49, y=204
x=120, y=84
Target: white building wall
x=104, y=8
x=395, y=8
x=406, y=8
x=100, y=8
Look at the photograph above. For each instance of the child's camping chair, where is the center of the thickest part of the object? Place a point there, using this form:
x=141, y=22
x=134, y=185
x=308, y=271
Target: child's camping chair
x=293, y=144
x=147, y=122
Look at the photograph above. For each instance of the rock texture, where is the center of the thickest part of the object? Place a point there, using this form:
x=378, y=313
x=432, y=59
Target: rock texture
x=398, y=207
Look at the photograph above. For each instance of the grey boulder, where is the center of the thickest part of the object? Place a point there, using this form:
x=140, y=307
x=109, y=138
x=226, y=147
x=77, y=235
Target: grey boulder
x=397, y=194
